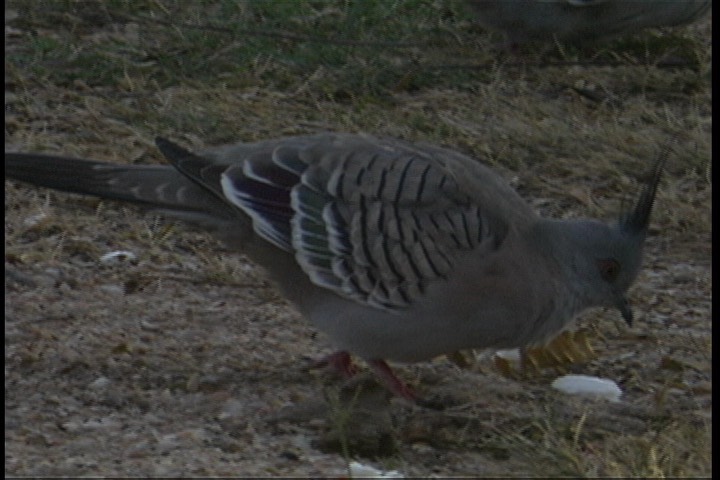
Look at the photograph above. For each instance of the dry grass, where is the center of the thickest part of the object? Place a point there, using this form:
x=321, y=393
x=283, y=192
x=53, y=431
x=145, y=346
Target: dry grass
x=181, y=372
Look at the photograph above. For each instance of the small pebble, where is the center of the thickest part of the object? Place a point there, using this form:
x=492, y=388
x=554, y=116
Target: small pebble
x=588, y=386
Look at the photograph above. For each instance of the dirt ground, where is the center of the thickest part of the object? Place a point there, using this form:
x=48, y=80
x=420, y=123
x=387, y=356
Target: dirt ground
x=184, y=361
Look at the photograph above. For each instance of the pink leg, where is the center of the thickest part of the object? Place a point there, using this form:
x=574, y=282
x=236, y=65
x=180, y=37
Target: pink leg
x=340, y=362
x=394, y=384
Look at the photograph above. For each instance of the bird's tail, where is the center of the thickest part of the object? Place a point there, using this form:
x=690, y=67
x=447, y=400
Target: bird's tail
x=157, y=187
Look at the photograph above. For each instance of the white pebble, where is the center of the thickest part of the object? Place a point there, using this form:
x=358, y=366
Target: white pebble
x=117, y=257
x=34, y=220
x=359, y=470
x=588, y=386
x=99, y=383
x=512, y=355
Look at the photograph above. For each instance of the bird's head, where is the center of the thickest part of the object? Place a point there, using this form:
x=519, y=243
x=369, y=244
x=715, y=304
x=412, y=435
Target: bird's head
x=604, y=260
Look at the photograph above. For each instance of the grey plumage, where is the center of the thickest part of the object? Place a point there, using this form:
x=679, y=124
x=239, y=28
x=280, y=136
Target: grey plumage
x=397, y=251
x=583, y=21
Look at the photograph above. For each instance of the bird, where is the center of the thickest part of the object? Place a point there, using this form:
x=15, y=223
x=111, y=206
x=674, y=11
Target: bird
x=398, y=251
x=582, y=21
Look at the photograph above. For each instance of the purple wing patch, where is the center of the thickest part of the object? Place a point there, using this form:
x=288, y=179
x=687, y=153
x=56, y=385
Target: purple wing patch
x=262, y=190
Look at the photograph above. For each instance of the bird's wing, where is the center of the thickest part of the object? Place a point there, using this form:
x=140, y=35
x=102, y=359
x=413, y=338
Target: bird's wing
x=370, y=223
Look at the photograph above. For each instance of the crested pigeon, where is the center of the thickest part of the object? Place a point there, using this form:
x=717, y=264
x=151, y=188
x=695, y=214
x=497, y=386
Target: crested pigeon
x=397, y=251
x=583, y=21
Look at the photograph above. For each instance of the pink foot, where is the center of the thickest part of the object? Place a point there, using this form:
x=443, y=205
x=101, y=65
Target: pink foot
x=394, y=384
x=340, y=362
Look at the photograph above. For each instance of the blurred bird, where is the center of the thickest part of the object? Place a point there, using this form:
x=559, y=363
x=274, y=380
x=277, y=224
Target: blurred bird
x=583, y=21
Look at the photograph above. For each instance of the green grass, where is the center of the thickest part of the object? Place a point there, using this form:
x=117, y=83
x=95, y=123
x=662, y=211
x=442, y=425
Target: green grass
x=277, y=43
x=342, y=50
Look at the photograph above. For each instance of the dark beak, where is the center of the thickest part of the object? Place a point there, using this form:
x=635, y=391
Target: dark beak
x=625, y=311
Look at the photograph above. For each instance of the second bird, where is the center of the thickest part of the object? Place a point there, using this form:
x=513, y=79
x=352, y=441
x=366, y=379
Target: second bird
x=583, y=21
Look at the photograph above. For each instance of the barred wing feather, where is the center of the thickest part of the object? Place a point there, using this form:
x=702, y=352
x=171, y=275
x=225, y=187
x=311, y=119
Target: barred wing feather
x=370, y=224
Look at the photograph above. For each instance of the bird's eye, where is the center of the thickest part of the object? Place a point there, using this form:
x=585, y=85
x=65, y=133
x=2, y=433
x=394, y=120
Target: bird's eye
x=609, y=269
